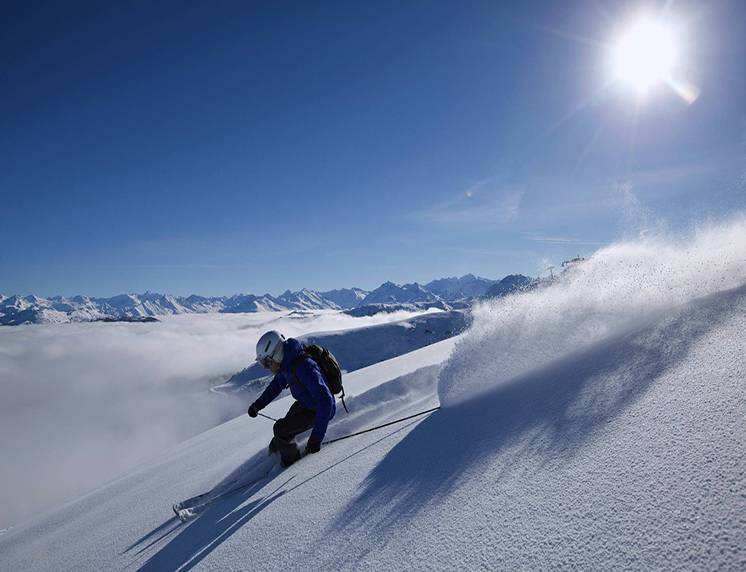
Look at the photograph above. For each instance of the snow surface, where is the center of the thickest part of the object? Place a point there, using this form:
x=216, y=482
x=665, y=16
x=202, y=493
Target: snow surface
x=602, y=439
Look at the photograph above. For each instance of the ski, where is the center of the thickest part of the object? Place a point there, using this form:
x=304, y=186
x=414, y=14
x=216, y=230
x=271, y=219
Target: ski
x=191, y=507
x=184, y=513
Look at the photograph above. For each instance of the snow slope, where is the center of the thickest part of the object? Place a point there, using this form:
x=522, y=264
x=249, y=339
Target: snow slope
x=594, y=427
x=114, y=526
x=628, y=454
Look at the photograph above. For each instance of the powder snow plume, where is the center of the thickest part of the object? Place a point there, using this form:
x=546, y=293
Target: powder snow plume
x=620, y=287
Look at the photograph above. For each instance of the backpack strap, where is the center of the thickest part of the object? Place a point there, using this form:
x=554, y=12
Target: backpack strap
x=342, y=397
x=294, y=367
x=294, y=370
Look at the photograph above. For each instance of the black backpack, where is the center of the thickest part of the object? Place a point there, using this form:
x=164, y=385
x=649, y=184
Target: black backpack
x=328, y=365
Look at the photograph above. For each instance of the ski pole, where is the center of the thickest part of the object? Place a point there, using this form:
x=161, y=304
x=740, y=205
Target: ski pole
x=367, y=430
x=380, y=426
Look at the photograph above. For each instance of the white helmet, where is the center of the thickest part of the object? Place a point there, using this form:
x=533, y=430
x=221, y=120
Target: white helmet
x=270, y=345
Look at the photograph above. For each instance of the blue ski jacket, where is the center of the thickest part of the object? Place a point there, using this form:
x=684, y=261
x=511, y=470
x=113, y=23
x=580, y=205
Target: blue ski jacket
x=308, y=386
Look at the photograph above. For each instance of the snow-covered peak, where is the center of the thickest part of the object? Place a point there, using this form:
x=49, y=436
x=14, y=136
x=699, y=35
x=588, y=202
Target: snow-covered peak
x=390, y=292
x=251, y=303
x=32, y=299
x=509, y=284
x=80, y=299
x=153, y=304
x=306, y=300
x=346, y=297
x=15, y=301
x=468, y=286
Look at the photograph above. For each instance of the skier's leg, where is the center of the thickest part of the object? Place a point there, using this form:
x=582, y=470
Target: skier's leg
x=297, y=420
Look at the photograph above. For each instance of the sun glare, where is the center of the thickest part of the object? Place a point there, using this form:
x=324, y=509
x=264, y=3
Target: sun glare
x=645, y=55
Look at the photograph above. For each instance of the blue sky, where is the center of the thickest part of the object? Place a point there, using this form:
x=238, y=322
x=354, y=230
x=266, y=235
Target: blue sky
x=227, y=147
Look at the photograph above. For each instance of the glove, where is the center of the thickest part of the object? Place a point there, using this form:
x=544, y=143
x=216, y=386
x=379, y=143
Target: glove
x=253, y=411
x=313, y=445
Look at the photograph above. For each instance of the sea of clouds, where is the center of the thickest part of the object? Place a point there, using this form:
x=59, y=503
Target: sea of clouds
x=83, y=402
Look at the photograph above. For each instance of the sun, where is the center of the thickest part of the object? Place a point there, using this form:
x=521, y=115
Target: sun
x=645, y=55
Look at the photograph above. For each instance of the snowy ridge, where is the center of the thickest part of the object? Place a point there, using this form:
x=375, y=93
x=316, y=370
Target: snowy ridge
x=307, y=300
x=388, y=297
x=33, y=309
x=378, y=307
x=468, y=286
x=510, y=284
x=346, y=297
x=394, y=293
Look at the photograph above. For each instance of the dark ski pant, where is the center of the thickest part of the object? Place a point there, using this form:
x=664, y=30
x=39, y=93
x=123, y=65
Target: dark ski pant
x=296, y=420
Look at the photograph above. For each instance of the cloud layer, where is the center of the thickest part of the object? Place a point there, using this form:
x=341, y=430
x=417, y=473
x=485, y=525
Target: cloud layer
x=81, y=403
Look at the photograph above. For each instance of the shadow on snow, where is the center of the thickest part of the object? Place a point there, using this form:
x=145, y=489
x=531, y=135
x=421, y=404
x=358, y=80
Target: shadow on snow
x=221, y=519
x=209, y=530
x=547, y=415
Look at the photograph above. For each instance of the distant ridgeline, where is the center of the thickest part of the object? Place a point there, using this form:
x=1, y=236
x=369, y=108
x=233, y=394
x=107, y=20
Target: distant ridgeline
x=445, y=294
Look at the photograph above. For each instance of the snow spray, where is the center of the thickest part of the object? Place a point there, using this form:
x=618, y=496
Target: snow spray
x=618, y=288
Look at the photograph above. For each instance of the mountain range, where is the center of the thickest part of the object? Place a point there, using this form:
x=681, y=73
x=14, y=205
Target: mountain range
x=16, y=310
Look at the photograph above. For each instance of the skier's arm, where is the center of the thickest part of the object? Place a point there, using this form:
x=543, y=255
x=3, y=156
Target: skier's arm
x=323, y=399
x=274, y=388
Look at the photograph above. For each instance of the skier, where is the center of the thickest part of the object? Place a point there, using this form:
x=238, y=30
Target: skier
x=314, y=406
